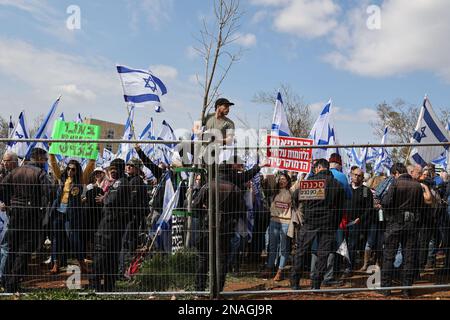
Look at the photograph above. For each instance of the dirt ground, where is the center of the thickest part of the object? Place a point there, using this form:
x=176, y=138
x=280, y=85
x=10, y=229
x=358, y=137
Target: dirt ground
x=246, y=281
x=242, y=282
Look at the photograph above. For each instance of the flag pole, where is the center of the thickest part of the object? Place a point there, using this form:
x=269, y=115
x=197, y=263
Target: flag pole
x=407, y=156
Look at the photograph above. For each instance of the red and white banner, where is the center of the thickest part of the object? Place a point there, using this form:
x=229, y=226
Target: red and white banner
x=291, y=159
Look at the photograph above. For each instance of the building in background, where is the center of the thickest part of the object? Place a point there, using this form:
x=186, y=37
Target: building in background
x=109, y=130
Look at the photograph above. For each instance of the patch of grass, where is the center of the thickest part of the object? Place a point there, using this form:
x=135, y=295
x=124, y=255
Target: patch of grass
x=164, y=272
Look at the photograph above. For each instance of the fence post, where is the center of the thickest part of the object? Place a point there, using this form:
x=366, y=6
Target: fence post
x=218, y=220
x=211, y=234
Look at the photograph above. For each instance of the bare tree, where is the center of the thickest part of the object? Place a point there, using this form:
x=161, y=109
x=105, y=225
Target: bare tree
x=214, y=43
x=4, y=127
x=297, y=112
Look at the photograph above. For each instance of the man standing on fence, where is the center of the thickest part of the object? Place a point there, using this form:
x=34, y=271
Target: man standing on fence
x=27, y=191
x=321, y=219
x=402, y=204
x=217, y=126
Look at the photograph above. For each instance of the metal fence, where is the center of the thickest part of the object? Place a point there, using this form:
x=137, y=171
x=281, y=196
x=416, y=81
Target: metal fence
x=219, y=228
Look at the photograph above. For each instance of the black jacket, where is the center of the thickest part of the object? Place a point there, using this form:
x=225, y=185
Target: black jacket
x=325, y=213
x=361, y=205
x=139, y=199
x=405, y=194
x=160, y=174
x=27, y=186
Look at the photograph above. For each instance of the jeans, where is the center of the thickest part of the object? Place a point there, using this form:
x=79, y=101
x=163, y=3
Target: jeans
x=60, y=240
x=237, y=246
x=4, y=249
x=278, y=244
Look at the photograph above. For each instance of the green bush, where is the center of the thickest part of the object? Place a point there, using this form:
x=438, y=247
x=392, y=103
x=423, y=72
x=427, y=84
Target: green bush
x=168, y=272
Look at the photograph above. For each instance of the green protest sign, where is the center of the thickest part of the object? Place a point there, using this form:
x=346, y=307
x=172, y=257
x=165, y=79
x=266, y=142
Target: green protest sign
x=74, y=130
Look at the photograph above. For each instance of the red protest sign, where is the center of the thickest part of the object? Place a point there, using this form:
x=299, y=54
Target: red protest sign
x=291, y=159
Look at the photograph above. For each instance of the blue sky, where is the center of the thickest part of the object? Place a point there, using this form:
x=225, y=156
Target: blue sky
x=323, y=49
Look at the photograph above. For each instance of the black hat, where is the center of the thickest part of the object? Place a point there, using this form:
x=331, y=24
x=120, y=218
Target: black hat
x=222, y=101
x=135, y=163
x=36, y=152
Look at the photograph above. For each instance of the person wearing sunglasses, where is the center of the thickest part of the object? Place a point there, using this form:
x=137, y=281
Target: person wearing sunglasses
x=67, y=213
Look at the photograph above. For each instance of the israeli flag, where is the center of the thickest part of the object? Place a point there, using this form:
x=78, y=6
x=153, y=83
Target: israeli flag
x=441, y=160
x=280, y=126
x=383, y=161
x=20, y=131
x=170, y=201
x=107, y=157
x=428, y=130
x=163, y=152
x=323, y=133
x=148, y=134
x=141, y=87
x=126, y=151
x=372, y=154
x=10, y=127
x=45, y=129
x=164, y=222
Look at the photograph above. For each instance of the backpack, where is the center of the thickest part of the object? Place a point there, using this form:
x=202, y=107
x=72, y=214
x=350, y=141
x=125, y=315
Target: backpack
x=383, y=187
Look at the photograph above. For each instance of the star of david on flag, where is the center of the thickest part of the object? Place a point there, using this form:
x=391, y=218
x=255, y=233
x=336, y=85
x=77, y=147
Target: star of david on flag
x=141, y=87
x=429, y=129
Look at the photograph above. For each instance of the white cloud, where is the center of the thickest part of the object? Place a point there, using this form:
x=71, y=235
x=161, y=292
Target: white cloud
x=164, y=72
x=191, y=53
x=73, y=90
x=18, y=59
x=303, y=18
x=154, y=12
x=31, y=78
x=246, y=40
x=364, y=115
x=49, y=20
x=259, y=16
x=413, y=37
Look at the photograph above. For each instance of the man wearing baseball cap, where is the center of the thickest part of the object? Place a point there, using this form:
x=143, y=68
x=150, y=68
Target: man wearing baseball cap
x=220, y=121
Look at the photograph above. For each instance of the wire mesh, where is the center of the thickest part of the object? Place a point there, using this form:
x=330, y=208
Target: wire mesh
x=221, y=228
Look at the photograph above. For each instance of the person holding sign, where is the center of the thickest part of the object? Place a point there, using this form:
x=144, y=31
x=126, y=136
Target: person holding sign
x=280, y=218
x=67, y=212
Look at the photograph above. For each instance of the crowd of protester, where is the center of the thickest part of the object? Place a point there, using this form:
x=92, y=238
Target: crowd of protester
x=97, y=216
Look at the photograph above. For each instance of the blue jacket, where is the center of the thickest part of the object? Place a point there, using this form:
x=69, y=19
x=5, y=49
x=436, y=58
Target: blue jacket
x=342, y=179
